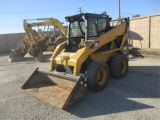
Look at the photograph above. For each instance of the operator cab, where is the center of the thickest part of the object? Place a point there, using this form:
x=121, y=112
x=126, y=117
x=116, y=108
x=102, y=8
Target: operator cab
x=85, y=26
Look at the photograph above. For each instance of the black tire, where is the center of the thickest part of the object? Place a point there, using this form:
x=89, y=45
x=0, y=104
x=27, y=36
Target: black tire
x=97, y=75
x=119, y=66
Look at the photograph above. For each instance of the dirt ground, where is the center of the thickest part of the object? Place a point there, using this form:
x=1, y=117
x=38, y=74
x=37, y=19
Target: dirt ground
x=134, y=97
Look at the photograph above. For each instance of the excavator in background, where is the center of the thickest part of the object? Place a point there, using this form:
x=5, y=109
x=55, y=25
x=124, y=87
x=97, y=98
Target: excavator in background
x=35, y=42
x=96, y=47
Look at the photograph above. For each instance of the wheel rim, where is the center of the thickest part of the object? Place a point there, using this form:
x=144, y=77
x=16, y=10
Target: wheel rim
x=124, y=66
x=101, y=77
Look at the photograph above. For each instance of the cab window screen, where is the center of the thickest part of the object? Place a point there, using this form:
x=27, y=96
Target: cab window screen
x=96, y=25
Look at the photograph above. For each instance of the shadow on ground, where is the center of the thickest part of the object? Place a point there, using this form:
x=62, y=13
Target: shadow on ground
x=28, y=58
x=31, y=59
x=141, y=82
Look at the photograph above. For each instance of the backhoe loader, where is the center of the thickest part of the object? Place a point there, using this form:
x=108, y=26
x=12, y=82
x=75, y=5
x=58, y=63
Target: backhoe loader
x=36, y=42
x=96, y=47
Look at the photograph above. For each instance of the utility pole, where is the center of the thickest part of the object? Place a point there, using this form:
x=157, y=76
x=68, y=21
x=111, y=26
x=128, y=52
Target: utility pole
x=119, y=11
x=80, y=10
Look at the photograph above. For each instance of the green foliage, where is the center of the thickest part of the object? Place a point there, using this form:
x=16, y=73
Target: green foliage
x=136, y=15
x=39, y=30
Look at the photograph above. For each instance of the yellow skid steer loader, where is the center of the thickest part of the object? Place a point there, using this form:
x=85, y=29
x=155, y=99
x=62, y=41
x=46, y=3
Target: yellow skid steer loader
x=35, y=42
x=96, y=47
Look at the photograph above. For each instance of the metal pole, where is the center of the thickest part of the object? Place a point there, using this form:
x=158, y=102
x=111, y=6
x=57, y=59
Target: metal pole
x=119, y=10
x=80, y=9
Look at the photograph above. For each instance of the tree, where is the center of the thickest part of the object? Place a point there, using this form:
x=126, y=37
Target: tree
x=39, y=30
x=104, y=13
x=136, y=15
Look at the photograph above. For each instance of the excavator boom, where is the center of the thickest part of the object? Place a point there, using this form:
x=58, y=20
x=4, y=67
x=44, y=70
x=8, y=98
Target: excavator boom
x=36, y=43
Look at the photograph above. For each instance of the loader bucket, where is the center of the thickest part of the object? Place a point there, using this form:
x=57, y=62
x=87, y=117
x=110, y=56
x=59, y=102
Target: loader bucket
x=14, y=56
x=55, y=89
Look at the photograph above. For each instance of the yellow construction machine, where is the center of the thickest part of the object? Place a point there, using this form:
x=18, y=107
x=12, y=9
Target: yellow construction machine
x=96, y=47
x=35, y=42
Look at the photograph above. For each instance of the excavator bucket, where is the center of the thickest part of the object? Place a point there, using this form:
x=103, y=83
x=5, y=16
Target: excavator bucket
x=55, y=89
x=14, y=56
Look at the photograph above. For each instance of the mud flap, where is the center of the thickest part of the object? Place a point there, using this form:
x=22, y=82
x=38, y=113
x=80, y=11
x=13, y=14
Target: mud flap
x=55, y=89
x=14, y=56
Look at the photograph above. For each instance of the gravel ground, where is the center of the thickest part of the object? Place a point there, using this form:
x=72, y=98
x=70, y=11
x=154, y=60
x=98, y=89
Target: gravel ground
x=134, y=97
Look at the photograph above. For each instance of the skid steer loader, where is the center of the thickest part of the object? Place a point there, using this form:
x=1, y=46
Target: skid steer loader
x=96, y=47
x=36, y=42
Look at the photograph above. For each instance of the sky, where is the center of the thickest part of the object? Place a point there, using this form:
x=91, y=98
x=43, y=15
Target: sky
x=12, y=12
